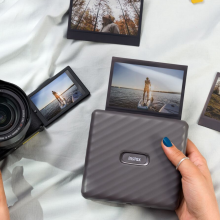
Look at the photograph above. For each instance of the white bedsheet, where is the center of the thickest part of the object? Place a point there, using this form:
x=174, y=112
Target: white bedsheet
x=43, y=178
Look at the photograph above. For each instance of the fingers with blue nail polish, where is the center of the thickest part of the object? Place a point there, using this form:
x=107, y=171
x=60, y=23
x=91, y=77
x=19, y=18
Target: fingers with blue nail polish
x=167, y=142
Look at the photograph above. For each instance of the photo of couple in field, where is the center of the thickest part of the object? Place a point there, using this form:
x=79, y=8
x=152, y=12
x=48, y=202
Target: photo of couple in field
x=147, y=88
x=106, y=16
x=213, y=108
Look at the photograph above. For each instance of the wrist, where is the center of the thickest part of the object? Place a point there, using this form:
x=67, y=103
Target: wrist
x=211, y=215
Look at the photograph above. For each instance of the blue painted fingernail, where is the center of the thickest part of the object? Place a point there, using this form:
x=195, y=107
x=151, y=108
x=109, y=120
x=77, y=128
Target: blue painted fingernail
x=167, y=142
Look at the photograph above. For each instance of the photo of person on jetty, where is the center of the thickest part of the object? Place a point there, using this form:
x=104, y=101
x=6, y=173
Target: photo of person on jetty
x=56, y=96
x=147, y=88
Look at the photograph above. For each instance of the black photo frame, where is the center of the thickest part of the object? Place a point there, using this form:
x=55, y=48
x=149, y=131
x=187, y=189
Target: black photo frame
x=151, y=64
x=205, y=120
x=73, y=77
x=104, y=37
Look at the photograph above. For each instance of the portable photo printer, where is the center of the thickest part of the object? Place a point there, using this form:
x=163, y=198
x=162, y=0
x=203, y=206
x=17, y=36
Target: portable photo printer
x=125, y=162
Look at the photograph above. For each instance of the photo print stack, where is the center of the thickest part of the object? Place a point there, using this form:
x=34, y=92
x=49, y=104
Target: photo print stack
x=109, y=21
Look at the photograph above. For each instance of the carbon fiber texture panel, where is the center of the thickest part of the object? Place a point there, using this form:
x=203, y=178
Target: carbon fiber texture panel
x=155, y=185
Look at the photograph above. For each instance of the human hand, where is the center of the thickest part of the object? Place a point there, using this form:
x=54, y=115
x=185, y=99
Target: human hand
x=199, y=201
x=4, y=213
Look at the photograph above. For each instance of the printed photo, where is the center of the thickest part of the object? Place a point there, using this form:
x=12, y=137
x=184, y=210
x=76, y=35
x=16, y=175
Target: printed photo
x=54, y=97
x=213, y=108
x=147, y=88
x=106, y=16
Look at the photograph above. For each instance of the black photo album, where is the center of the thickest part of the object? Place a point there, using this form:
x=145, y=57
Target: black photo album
x=107, y=21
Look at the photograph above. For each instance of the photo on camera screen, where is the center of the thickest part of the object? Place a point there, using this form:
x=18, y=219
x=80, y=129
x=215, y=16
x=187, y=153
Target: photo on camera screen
x=56, y=96
x=146, y=88
x=119, y=17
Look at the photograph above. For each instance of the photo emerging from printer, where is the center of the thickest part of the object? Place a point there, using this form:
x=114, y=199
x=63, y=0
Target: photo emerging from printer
x=146, y=88
x=106, y=16
x=56, y=96
x=213, y=108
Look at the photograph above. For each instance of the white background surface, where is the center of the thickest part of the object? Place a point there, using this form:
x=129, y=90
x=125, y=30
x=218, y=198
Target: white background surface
x=33, y=47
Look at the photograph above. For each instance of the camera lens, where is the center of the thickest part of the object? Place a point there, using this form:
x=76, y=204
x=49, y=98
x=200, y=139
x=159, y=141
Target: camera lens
x=14, y=115
x=3, y=118
x=6, y=117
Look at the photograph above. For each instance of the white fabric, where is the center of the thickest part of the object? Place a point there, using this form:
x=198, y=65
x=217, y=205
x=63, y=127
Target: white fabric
x=33, y=47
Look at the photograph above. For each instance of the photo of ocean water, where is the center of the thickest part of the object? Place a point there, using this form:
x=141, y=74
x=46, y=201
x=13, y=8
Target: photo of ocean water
x=53, y=108
x=129, y=98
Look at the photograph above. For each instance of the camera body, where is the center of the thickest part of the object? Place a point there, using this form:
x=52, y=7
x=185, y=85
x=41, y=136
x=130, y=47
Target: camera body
x=22, y=116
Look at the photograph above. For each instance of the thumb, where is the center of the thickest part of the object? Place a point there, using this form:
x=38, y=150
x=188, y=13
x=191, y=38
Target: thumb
x=186, y=168
x=4, y=213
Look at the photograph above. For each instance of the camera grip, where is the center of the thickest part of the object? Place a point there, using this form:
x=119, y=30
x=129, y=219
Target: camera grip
x=36, y=126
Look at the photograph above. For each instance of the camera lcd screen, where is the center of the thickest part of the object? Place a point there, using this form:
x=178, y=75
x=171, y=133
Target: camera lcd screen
x=57, y=96
x=106, y=21
x=146, y=87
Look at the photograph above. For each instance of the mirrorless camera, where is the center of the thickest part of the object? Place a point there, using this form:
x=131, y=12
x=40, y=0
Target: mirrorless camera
x=22, y=116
